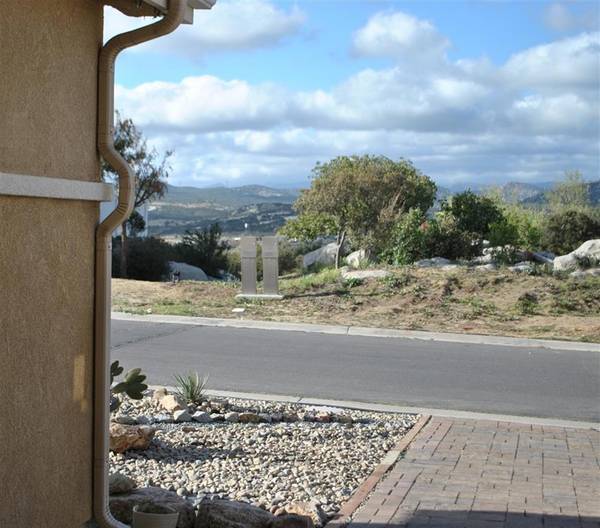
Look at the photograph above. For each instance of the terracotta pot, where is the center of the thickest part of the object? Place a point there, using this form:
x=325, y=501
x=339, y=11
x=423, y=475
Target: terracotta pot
x=154, y=516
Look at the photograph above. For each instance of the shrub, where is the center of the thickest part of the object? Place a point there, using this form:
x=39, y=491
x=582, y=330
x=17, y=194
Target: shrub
x=566, y=231
x=415, y=237
x=148, y=258
x=527, y=303
x=473, y=213
x=191, y=388
x=204, y=249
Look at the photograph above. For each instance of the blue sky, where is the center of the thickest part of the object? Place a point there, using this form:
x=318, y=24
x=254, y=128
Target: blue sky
x=257, y=91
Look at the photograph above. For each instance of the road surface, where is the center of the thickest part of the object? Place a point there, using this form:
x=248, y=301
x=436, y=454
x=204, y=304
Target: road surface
x=465, y=377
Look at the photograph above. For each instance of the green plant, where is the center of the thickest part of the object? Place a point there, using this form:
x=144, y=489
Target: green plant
x=473, y=213
x=567, y=230
x=148, y=258
x=353, y=282
x=190, y=387
x=527, y=303
x=395, y=282
x=133, y=385
x=204, y=249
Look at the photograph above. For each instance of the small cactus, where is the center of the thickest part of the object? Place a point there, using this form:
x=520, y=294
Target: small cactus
x=133, y=385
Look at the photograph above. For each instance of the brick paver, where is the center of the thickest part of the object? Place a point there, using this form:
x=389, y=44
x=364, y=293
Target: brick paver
x=479, y=473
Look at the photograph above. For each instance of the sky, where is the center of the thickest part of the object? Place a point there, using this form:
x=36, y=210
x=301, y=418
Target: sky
x=473, y=93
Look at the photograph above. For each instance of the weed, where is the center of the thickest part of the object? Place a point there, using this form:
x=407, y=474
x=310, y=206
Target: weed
x=353, y=282
x=313, y=280
x=527, y=303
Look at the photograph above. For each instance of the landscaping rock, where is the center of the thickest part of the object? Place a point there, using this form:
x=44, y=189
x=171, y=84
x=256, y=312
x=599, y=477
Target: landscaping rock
x=435, y=262
x=121, y=506
x=292, y=521
x=365, y=274
x=356, y=258
x=201, y=417
x=310, y=509
x=522, y=267
x=487, y=267
x=249, y=418
x=324, y=255
x=231, y=514
x=543, y=257
x=119, y=483
x=125, y=437
x=182, y=416
x=232, y=417
x=172, y=403
x=159, y=394
x=126, y=420
x=586, y=254
x=582, y=274
x=188, y=272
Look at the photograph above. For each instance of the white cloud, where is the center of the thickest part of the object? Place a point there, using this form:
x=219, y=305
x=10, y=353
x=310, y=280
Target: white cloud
x=229, y=25
x=530, y=118
x=401, y=36
x=559, y=17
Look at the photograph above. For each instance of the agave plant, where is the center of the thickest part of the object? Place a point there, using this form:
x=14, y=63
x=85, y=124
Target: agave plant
x=133, y=385
x=191, y=387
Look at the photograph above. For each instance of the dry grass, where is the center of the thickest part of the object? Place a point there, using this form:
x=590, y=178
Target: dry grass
x=464, y=301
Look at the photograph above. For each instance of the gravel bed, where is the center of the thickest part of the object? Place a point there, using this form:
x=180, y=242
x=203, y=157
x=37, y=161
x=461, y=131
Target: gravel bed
x=266, y=464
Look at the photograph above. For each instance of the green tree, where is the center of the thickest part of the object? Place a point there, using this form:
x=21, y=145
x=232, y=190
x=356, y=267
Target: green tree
x=571, y=194
x=473, y=213
x=309, y=226
x=151, y=172
x=204, y=249
x=362, y=196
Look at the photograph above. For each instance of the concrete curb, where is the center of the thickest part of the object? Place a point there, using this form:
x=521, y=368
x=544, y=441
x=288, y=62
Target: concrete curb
x=473, y=339
x=364, y=490
x=384, y=407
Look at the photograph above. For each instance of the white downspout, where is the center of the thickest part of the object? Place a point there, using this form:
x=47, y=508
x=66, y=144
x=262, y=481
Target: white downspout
x=106, y=80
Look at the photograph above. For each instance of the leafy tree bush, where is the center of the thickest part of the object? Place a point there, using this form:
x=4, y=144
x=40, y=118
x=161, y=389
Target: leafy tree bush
x=204, y=249
x=473, y=213
x=361, y=197
x=416, y=237
x=567, y=230
x=148, y=259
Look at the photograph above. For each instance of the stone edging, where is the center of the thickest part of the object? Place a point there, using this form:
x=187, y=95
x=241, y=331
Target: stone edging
x=363, y=491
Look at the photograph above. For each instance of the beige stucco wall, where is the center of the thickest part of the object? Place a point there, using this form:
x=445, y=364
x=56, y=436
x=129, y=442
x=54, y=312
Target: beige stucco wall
x=48, y=62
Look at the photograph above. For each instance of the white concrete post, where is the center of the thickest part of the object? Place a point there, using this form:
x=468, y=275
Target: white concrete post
x=248, y=262
x=270, y=258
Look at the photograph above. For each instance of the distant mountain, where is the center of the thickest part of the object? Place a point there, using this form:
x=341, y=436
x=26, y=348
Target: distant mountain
x=263, y=209
x=540, y=198
x=228, y=196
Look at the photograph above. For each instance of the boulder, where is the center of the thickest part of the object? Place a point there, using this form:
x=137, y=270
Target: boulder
x=487, y=267
x=201, y=417
x=356, y=258
x=187, y=272
x=435, y=262
x=125, y=437
x=543, y=257
x=586, y=254
x=324, y=255
x=232, y=417
x=579, y=274
x=172, y=403
x=292, y=521
x=119, y=483
x=121, y=506
x=220, y=513
x=310, y=509
x=159, y=394
x=182, y=416
x=249, y=417
x=522, y=267
x=365, y=274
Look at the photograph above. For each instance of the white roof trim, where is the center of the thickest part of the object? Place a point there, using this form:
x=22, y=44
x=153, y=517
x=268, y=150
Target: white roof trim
x=162, y=6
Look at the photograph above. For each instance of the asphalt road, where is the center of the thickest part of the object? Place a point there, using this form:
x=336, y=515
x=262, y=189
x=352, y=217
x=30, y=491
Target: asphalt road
x=466, y=377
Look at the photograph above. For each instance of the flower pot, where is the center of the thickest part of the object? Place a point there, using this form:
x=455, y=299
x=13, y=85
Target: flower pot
x=154, y=516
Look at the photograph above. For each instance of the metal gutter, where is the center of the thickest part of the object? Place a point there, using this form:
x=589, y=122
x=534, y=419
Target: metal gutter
x=106, y=73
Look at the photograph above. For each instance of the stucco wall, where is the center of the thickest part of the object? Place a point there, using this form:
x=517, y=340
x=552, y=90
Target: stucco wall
x=48, y=62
